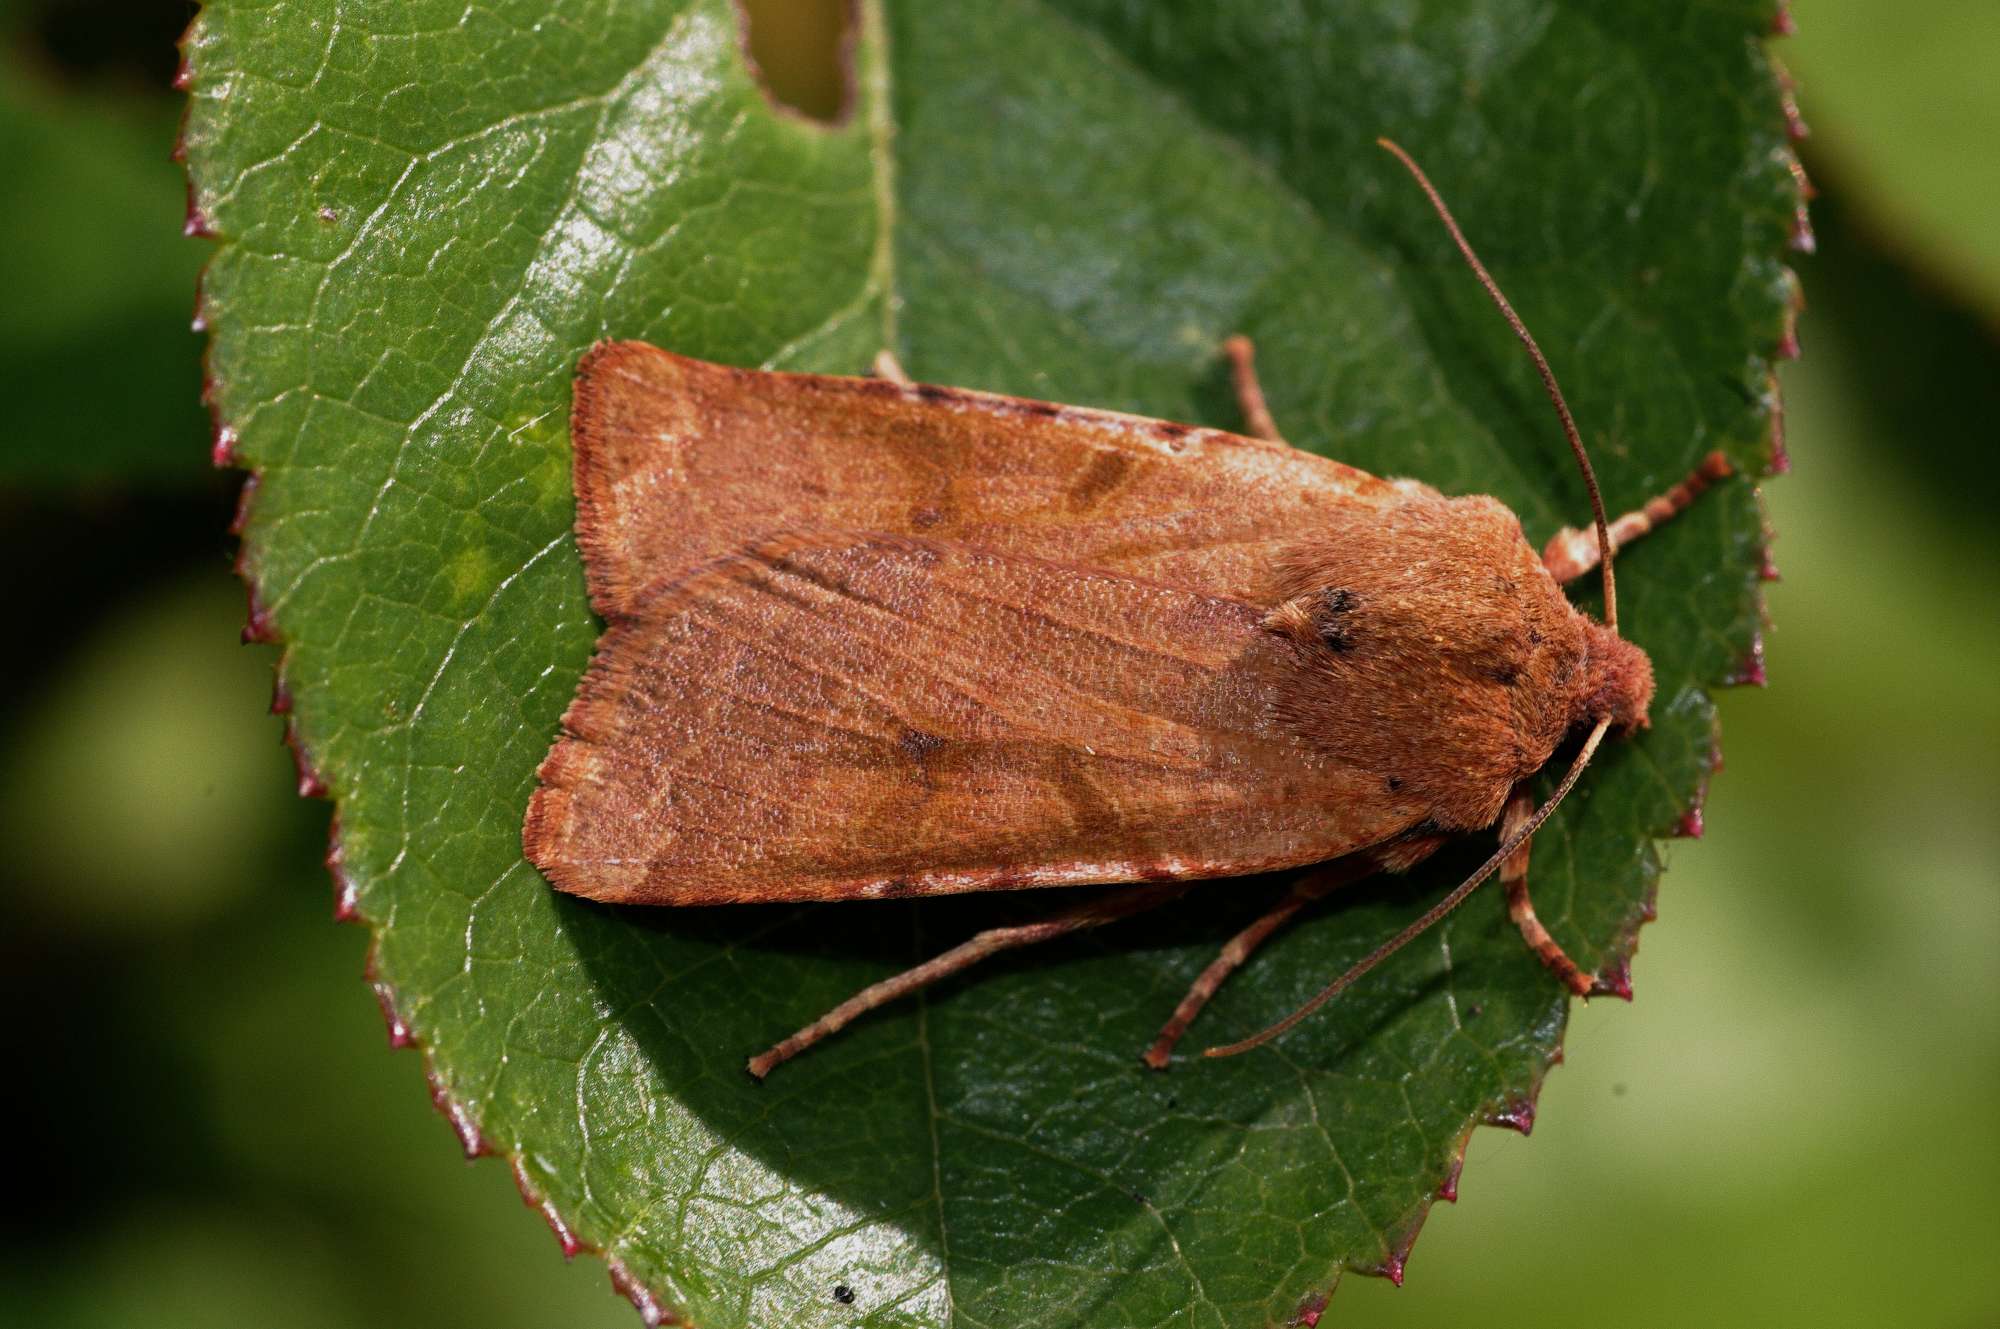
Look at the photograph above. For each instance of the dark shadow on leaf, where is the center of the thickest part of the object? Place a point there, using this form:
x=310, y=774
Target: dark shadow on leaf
x=1030, y=1071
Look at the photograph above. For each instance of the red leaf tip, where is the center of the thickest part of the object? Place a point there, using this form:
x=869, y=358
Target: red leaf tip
x=195, y=225
x=1803, y=239
x=346, y=896
x=385, y=997
x=1448, y=1188
x=1615, y=980
x=1516, y=1114
x=311, y=783
x=462, y=1125
x=240, y=520
x=258, y=629
x=534, y=1200
x=1751, y=671
x=651, y=1312
x=222, y=451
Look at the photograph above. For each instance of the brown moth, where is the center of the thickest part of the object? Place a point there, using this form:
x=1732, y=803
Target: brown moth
x=870, y=639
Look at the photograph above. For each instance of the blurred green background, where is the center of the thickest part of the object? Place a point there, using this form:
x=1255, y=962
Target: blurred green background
x=1793, y=1125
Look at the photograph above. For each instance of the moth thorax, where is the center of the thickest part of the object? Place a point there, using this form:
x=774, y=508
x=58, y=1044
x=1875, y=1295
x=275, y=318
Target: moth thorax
x=1617, y=681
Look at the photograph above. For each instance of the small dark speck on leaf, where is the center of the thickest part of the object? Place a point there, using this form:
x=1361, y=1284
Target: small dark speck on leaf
x=1474, y=1011
x=1618, y=1089
x=843, y=1294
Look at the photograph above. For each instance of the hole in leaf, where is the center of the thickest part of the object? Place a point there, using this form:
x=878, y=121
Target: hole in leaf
x=800, y=52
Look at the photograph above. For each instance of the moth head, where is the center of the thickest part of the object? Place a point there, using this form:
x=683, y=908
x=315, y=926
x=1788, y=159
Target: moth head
x=1617, y=682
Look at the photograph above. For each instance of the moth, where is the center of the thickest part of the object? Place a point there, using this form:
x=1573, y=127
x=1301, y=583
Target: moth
x=869, y=639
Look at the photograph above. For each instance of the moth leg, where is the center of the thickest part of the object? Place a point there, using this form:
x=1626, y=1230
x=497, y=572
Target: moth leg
x=1103, y=907
x=1239, y=948
x=889, y=367
x=1249, y=392
x=1514, y=879
x=1572, y=552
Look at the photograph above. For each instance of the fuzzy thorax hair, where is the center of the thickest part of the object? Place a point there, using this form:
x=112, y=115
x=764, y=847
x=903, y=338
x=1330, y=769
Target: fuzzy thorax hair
x=1436, y=651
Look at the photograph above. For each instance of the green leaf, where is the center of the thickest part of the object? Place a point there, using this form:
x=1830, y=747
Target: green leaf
x=426, y=211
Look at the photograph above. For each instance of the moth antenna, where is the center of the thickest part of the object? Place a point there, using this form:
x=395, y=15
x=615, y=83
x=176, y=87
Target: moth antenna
x=1604, y=549
x=1431, y=915
x=1541, y=367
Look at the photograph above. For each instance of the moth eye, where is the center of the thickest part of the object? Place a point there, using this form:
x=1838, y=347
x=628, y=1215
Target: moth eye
x=1330, y=618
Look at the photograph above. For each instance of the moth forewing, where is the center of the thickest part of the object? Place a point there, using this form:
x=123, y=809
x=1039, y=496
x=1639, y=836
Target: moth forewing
x=895, y=714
